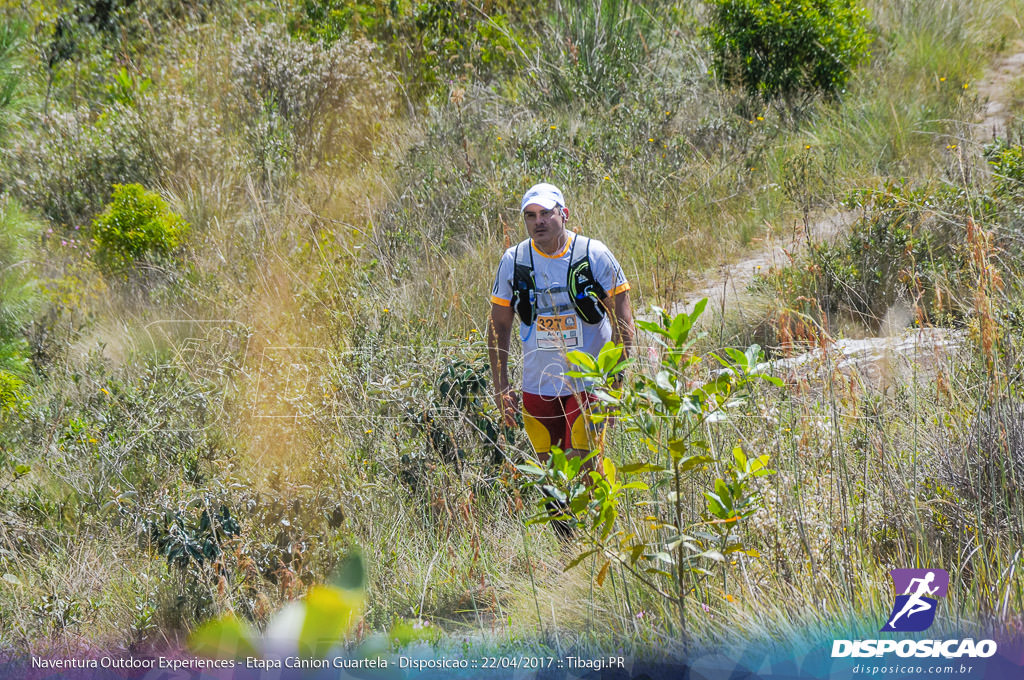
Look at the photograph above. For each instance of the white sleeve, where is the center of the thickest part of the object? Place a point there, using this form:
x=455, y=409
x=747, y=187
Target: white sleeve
x=501, y=291
x=606, y=269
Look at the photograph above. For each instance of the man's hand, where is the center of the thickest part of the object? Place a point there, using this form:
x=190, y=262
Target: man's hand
x=508, y=403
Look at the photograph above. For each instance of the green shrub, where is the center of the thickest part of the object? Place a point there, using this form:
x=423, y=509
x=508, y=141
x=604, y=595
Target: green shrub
x=12, y=397
x=788, y=48
x=454, y=39
x=1007, y=163
x=137, y=227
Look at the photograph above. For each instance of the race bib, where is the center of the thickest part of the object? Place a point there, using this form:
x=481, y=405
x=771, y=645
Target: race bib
x=558, y=332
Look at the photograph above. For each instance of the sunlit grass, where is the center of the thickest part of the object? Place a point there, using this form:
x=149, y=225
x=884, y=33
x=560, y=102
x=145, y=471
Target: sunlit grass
x=351, y=285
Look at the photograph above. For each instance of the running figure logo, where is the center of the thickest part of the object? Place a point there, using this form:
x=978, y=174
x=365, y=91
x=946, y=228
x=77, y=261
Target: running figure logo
x=914, y=610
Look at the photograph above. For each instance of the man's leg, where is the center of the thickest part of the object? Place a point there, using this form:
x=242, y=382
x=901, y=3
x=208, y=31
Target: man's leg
x=545, y=424
x=583, y=433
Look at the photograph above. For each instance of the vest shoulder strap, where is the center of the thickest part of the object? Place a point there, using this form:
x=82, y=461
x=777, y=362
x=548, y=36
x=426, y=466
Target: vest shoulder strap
x=580, y=249
x=523, y=255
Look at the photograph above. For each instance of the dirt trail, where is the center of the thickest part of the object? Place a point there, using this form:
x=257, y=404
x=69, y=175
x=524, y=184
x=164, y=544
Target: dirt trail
x=726, y=288
x=995, y=92
x=875, y=359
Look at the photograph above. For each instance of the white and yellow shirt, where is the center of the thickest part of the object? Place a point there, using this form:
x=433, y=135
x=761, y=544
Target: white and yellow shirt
x=557, y=329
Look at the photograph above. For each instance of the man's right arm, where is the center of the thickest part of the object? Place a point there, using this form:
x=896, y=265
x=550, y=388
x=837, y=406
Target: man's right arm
x=499, y=336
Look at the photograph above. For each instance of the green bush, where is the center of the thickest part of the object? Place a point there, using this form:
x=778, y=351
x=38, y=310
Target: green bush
x=12, y=397
x=137, y=227
x=788, y=48
x=1007, y=163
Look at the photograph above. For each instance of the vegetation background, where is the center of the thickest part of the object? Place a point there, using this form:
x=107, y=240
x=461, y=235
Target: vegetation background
x=245, y=249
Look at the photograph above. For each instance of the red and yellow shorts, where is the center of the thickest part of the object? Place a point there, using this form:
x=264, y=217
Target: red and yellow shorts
x=561, y=421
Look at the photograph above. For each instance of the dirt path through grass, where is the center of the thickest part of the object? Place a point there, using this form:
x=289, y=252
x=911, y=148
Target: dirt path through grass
x=1000, y=92
x=1000, y=95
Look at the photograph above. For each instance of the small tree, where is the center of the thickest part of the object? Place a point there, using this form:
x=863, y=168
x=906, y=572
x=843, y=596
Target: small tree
x=136, y=227
x=672, y=552
x=787, y=48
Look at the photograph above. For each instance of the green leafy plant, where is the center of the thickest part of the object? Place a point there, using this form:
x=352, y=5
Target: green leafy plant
x=904, y=249
x=1007, y=163
x=126, y=89
x=12, y=395
x=788, y=48
x=673, y=550
x=456, y=39
x=199, y=542
x=137, y=228
x=61, y=612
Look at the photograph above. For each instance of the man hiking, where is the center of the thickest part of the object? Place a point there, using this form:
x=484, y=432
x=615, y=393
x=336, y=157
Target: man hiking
x=570, y=294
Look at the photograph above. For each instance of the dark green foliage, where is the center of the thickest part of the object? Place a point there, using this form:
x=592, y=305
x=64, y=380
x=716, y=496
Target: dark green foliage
x=459, y=423
x=463, y=392
x=201, y=540
x=76, y=25
x=136, y=228
x=788, y=48
x=455, y=39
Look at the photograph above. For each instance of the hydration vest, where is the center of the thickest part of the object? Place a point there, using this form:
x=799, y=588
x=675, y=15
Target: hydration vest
x=584, y=290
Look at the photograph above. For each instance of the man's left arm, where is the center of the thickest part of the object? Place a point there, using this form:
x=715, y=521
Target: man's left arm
x=616, y=303
x=621, y=313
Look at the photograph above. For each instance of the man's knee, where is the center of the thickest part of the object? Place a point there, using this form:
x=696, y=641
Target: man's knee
x=586, y=434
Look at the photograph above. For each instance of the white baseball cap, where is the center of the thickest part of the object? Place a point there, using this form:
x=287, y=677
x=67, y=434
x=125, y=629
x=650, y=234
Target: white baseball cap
x=545, y=195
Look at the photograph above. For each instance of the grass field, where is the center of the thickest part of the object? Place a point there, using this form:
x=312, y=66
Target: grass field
x=207, y=421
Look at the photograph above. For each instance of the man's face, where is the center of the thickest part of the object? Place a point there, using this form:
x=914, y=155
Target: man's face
x=544, y=224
